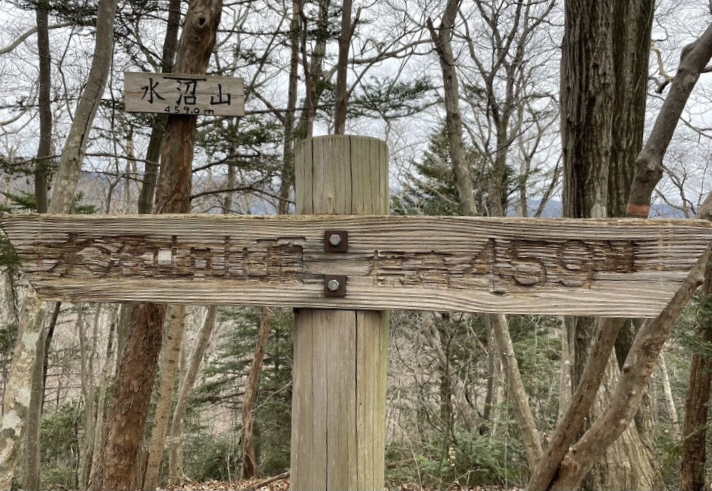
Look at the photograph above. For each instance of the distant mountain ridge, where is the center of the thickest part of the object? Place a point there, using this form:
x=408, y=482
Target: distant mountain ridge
x=554, y=209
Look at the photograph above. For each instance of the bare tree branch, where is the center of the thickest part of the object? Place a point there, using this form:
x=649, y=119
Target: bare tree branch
x=7, y=49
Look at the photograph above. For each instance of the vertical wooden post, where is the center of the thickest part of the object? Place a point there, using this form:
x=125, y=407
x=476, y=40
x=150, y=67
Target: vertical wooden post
x=339, y=390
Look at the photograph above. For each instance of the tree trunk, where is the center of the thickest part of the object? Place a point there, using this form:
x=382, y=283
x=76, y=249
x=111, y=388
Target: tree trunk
x=286, y=181
x=342, y=93
x=175, y=464
x=603, y=106
x=44, y=151
x=442, y=37
x=169, y=370
x=565, y=465
x=587, y=86
x=250, y=459
x=32, y=456
x=137, y=367
x=669, y=401
x=442, y=40
x=494, y=382
x=42, y=167
x=452, y=387
x=520, y=400
x=313, y=69
x=649, y=163
x=629, y=392
x=17, y=398
x=565, y=387
x=88, y=390
x=694, y=435
x=631, y=31
x=129, y=402
x=628, y=463
x=442, y=339
x=155, y=142
x=100, y=406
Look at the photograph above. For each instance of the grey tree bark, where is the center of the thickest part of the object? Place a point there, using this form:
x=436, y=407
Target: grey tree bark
x=603, y=89
x=175, y=462
x=494, y=383
x=169, y=370
x=669, y=400
x=520, y=399
x=694, y=444
x=442, y=39
x=29, y=342
x=103, y=386
x=32, y=469
x=342, y=92
x=286, y=181
x=565, y=465
x=88, y=386
x=44, y=151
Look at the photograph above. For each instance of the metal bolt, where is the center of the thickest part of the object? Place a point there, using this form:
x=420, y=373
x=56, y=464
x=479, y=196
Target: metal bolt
x=335, y=239
x=333, y=285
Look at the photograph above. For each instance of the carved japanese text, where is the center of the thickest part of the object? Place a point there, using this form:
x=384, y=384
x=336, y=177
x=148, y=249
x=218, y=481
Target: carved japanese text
x=501, y=265
x=280, y=260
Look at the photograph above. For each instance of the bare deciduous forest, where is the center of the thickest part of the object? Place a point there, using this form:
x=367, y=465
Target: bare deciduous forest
x=489, y=108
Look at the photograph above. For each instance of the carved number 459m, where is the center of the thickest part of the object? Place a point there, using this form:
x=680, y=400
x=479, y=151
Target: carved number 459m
x=533, y=263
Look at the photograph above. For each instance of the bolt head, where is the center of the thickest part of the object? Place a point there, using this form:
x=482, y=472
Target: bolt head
x=333, y=285
x=334, y=239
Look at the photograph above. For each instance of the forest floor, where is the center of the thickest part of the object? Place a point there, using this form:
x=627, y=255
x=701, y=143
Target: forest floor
x=277, y=484
x=252, y=485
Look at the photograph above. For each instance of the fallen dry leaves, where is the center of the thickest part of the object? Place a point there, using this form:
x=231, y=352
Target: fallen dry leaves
x=283, y=485
x=252, y=485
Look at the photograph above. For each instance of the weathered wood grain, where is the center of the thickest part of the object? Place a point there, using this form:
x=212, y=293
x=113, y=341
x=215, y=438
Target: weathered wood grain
x=346, y=413
x=627, y=268
x=183, y=94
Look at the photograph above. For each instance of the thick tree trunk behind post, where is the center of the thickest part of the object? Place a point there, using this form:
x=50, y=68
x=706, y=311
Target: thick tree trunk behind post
x=565, y=465
x=44, y=151
x=339, y=402
x=139, y=359
x=602, y=96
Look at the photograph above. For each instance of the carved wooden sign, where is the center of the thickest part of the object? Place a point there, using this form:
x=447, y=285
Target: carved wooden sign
x=184, y=94
x=622, y=268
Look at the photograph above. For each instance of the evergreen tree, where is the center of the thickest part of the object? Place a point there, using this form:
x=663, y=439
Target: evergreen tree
x=226, y=371
x=431, y=189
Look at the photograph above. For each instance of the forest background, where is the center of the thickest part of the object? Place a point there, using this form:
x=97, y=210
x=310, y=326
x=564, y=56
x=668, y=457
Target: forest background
x=453, y=416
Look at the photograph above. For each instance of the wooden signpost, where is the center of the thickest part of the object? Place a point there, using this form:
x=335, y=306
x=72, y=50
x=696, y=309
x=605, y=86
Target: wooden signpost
x=183, y=94
x=609, y=268
x=329, y=266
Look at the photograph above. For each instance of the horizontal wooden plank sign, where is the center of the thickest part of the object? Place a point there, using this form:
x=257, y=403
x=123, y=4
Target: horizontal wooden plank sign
x=184, y=94
x=621, y=268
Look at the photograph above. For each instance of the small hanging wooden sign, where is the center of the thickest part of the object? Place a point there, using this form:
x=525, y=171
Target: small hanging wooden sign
x=186, y=95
